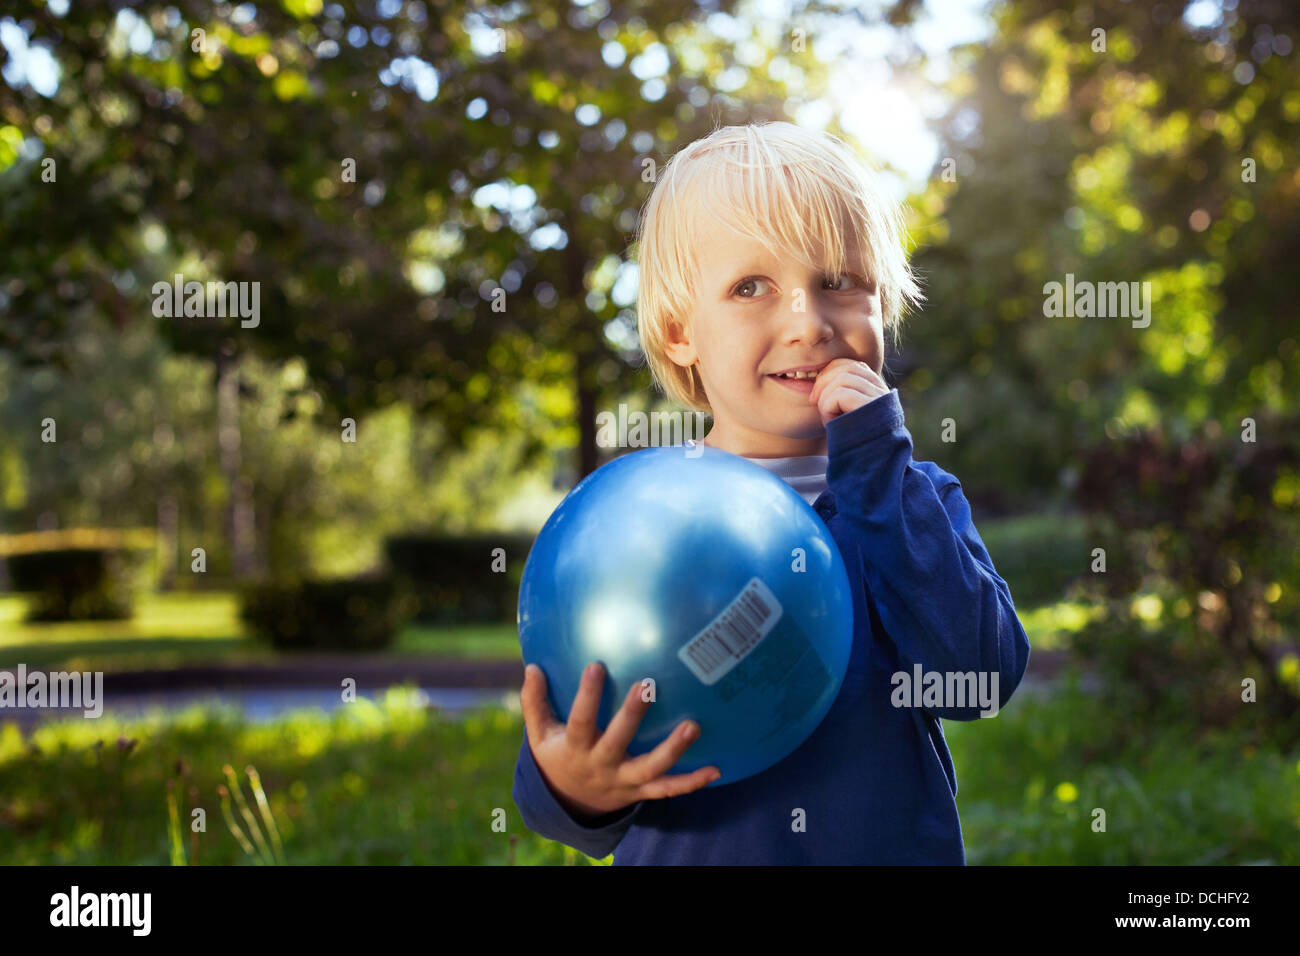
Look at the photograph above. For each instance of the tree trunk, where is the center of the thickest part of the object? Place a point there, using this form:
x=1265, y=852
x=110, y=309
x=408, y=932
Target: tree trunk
x=239, y=506
x=588, y=396
x=167, y=531
x=587, y=353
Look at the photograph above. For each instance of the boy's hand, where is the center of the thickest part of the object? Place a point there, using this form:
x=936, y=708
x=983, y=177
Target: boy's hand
x=589, y=771
x=843, y=385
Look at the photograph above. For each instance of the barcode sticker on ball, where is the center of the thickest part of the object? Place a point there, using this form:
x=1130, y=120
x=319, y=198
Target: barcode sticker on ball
x=733, y=633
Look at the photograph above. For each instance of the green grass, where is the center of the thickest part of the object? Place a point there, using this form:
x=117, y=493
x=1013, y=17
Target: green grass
x=180, y=629
x=1036, y=554
x=373, y=783
x=177, y=630
x=1030, y=779
x=387, y=782
x=481, y=641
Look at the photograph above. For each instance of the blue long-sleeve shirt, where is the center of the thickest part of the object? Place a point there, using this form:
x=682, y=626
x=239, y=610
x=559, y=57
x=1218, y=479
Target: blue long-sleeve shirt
x=874, y=783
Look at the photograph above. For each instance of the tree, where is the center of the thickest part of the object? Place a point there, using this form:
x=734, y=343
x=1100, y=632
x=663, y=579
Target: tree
x=385, y=171
x=1112, y=144
x=1117, y=143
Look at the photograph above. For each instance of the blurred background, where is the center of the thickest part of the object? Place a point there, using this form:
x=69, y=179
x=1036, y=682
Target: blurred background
x=233, y=516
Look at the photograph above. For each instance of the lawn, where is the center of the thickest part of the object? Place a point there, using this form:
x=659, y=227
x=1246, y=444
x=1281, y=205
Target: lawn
x=1037, y=555
x=389, y=782
x=186, y=629
x=372, y=783
x=176, y=630
x=1030, y=780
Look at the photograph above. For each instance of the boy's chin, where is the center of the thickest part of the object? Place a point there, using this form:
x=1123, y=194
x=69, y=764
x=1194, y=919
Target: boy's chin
x=801, y=425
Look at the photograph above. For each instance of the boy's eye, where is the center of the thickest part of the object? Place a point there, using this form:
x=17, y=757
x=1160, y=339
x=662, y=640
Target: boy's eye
x=843, y=283
x=751, y=284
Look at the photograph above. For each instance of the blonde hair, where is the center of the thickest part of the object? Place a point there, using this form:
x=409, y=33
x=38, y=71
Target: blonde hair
x=827, y=208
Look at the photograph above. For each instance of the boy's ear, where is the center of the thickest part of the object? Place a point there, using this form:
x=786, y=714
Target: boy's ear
x=677, y=345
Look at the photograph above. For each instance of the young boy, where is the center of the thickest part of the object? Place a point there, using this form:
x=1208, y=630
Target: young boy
x=765, y=249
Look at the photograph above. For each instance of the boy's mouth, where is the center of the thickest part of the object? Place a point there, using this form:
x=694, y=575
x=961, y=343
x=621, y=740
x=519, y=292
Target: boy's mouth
x=799, y=380
x=798, y=384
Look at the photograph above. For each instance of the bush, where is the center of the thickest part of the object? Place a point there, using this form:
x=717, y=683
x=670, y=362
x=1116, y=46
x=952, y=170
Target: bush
x=71, y=584
x=353, y=614
x=1200, y=538
x=452, y=578
x=1037, y=555
x=78, y=573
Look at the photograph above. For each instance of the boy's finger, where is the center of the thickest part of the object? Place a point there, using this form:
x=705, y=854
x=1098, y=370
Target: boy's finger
x=586, y=703
x=539, y=719
x=875, y=377
x=824, y=378
x=613, y=743
x=674, y=785
x=840, y=367
x=647, y=767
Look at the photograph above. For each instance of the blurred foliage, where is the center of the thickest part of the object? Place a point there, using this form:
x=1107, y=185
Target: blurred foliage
x=459, y=580
x=516, y=168
x=74, y=584
x=1037, y=555
x=1114, y=142
x=183, y=629
x=495, y=151
x=374, y=783
x=165, y=631
x=78, y=573
x=1115, y=165
x=350, y=614
x=480, y=168
x=1109, y=141
x=1201, y=570
x=138, y=431
x=390, y=782
x=111, y=538
x=1029, y=783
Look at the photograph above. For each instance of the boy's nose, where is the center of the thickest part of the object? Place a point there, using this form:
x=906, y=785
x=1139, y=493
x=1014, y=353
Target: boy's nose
x=806, y=322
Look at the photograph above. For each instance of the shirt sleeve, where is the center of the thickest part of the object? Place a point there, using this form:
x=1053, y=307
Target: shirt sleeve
x=930, y=577
x=544, y=814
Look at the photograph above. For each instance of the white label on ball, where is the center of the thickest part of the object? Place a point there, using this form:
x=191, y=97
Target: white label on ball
x=732, y=634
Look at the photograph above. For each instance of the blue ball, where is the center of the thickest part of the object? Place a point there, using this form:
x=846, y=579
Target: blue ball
x=711, y=576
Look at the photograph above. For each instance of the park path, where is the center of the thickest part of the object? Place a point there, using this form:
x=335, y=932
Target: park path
x=371, y=672
x=263, y=691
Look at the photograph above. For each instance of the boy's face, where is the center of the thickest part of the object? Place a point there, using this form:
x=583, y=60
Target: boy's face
x=755, y=315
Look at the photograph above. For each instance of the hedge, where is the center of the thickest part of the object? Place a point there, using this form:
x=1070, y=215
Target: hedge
x=76, y=573
x=352, y=614
x=452, y=578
